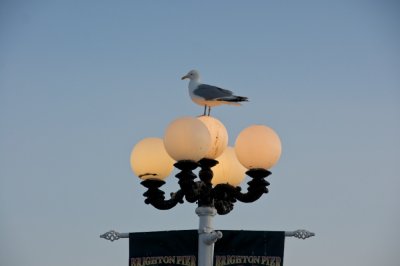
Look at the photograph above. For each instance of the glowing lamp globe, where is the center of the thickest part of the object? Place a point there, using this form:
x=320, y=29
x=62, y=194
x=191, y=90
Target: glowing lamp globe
x=149, y=160
x=228, y=170
x=187, y=138
x=258, y=146
x=218, y=134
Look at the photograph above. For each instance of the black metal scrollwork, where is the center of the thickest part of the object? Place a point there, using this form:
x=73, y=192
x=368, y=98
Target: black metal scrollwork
x=222, y=196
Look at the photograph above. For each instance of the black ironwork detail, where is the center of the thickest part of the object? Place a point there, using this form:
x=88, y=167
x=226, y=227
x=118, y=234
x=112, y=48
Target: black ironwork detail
x=222, y=196
x=206, y=175
x=155, y=196
x=186, y=179
x=257, y=186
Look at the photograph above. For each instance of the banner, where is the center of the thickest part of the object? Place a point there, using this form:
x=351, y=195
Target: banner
x=179, y=248
x=163, y=248
x=264, y=248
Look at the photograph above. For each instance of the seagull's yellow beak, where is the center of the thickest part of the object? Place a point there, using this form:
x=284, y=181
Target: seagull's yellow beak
x=184, y=77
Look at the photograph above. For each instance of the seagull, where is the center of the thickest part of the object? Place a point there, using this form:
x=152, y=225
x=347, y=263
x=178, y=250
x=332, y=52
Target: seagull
x=208, y=95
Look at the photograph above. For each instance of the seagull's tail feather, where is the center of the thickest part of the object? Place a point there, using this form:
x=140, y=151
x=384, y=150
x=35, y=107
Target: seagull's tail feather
x=234, y=99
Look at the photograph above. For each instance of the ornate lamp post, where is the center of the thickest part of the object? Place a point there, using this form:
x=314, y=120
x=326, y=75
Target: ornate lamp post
x=202, y=143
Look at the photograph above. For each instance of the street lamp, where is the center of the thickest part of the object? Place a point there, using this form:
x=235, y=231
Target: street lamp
x=202, y=142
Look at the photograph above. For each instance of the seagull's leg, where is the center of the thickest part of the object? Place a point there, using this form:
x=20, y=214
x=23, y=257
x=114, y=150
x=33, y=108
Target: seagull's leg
x=205, y=109
x=209, y=110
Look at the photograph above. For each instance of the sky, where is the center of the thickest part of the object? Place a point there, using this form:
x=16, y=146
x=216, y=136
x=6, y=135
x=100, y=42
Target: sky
x=82, y=81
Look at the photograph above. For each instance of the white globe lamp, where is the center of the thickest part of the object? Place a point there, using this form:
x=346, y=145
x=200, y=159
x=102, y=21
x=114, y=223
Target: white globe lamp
x=149, y=159
x=187, y=138
x=258, y=147
x=218, y=134
x=228, y=170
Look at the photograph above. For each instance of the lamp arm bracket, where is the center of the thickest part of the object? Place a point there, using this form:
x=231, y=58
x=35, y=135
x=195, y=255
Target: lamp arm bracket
x=155, y=196
x=162, y=204
x=257, y=186
x=250, y=195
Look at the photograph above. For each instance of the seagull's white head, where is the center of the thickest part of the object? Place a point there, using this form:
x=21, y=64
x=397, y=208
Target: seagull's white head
x=192, y=75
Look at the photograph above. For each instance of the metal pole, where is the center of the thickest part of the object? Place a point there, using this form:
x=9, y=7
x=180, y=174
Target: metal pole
x=207, y=235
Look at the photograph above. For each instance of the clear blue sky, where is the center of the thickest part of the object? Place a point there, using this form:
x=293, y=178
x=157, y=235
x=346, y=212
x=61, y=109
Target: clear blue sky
x=82, y=81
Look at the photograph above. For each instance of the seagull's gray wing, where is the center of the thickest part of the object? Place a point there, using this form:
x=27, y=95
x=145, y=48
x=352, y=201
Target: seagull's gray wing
x=209, y=92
